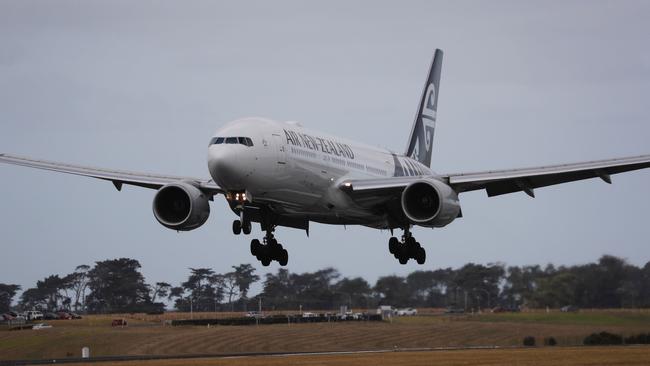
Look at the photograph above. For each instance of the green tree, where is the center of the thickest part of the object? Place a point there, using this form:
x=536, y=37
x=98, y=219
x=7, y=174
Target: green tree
x=117, y=285
x=357, y=289
x=7, y=293
x=159, y=290
x=245, y=276
x=392, y=290
x=77, y=282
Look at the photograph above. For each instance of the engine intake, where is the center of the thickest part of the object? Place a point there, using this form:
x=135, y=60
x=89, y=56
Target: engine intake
x=181, y=206
x=430, y=203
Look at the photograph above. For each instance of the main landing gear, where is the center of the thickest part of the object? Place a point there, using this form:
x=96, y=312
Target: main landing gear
x=269, y=251
x=407, y=249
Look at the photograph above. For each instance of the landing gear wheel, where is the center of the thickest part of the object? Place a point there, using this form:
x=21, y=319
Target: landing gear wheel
x=266, y=262
x=421, y=255
x=393, y=244
x=403, y=259
x=236, y=227
x=275, y=250
x=284, y=257
x=246, y=227
x=255, y=247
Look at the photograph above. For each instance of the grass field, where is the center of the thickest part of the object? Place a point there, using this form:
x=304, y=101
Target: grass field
x=627, y=356
x=147, y=334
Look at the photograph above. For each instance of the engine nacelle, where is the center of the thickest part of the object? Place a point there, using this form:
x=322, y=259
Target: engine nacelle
x=430, y=202
x=181, y=206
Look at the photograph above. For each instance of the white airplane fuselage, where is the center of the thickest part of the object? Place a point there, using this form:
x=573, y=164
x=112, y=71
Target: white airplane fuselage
x=297, y=171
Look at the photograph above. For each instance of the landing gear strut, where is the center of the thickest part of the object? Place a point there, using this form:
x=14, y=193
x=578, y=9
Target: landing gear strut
x=269, y=251
x=407, y=248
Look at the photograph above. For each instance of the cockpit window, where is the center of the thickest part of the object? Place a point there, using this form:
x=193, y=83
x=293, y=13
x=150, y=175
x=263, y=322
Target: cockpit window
x=216, y=140
x=246, y=141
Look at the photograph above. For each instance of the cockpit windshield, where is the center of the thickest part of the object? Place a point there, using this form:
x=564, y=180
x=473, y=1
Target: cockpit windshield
x=246, y=141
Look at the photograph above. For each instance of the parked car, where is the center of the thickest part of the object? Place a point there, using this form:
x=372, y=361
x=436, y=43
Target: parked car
x=41, y=326
x=506, y=309
x=254, y=314
x=33, y=315
x=118, y=323
x=454, y=310
x=75, y=316
x=12, y=315
x=64, y=315
x=50, y=316
x=407, y=312
x=309, y=315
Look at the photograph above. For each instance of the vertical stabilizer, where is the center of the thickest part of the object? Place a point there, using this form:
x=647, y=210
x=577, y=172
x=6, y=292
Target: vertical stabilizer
x=420, y=143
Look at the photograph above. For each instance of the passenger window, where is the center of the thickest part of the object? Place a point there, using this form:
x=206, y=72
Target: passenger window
x=231, y=140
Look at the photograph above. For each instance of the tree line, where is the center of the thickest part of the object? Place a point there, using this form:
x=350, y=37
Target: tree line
x=117, y=285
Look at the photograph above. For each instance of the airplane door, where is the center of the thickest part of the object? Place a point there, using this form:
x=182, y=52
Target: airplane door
x=281, y=152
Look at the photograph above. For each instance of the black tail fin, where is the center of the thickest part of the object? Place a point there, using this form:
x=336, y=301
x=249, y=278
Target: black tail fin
x=420, y=143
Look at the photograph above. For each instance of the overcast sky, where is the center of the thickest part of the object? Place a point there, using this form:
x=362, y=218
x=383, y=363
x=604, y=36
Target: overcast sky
x=142, y=85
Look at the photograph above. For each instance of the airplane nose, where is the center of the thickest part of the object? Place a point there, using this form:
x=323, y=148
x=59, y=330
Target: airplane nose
x=225, y=168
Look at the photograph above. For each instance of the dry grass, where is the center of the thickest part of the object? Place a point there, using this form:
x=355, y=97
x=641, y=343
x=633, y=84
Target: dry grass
x=628, y=356
x=148, y=335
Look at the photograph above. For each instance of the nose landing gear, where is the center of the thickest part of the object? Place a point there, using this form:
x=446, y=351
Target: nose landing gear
x=239, y=226
x=407, y=249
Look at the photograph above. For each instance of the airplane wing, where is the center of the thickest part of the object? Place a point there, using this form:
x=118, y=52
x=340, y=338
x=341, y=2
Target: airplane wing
x=118, y=177
x=498, y=182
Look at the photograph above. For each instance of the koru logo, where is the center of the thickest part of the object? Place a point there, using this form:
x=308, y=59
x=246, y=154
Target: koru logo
x=429, y=115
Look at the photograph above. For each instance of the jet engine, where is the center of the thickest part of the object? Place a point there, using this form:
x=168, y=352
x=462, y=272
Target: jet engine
x=430, y=202
x=181, y=206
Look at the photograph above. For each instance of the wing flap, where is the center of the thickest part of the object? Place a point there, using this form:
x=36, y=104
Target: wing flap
x=118, y=177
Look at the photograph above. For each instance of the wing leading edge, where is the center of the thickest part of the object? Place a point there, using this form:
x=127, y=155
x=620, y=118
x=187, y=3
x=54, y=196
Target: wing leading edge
x=118, y=177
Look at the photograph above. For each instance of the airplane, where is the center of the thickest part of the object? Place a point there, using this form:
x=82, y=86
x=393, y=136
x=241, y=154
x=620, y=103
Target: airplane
x=282, y=174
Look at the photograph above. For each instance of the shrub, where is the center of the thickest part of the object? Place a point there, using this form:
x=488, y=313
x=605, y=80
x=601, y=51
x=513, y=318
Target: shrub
x=641, y=338
x=602, y=338
x=529, y=341
x=550, y=341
